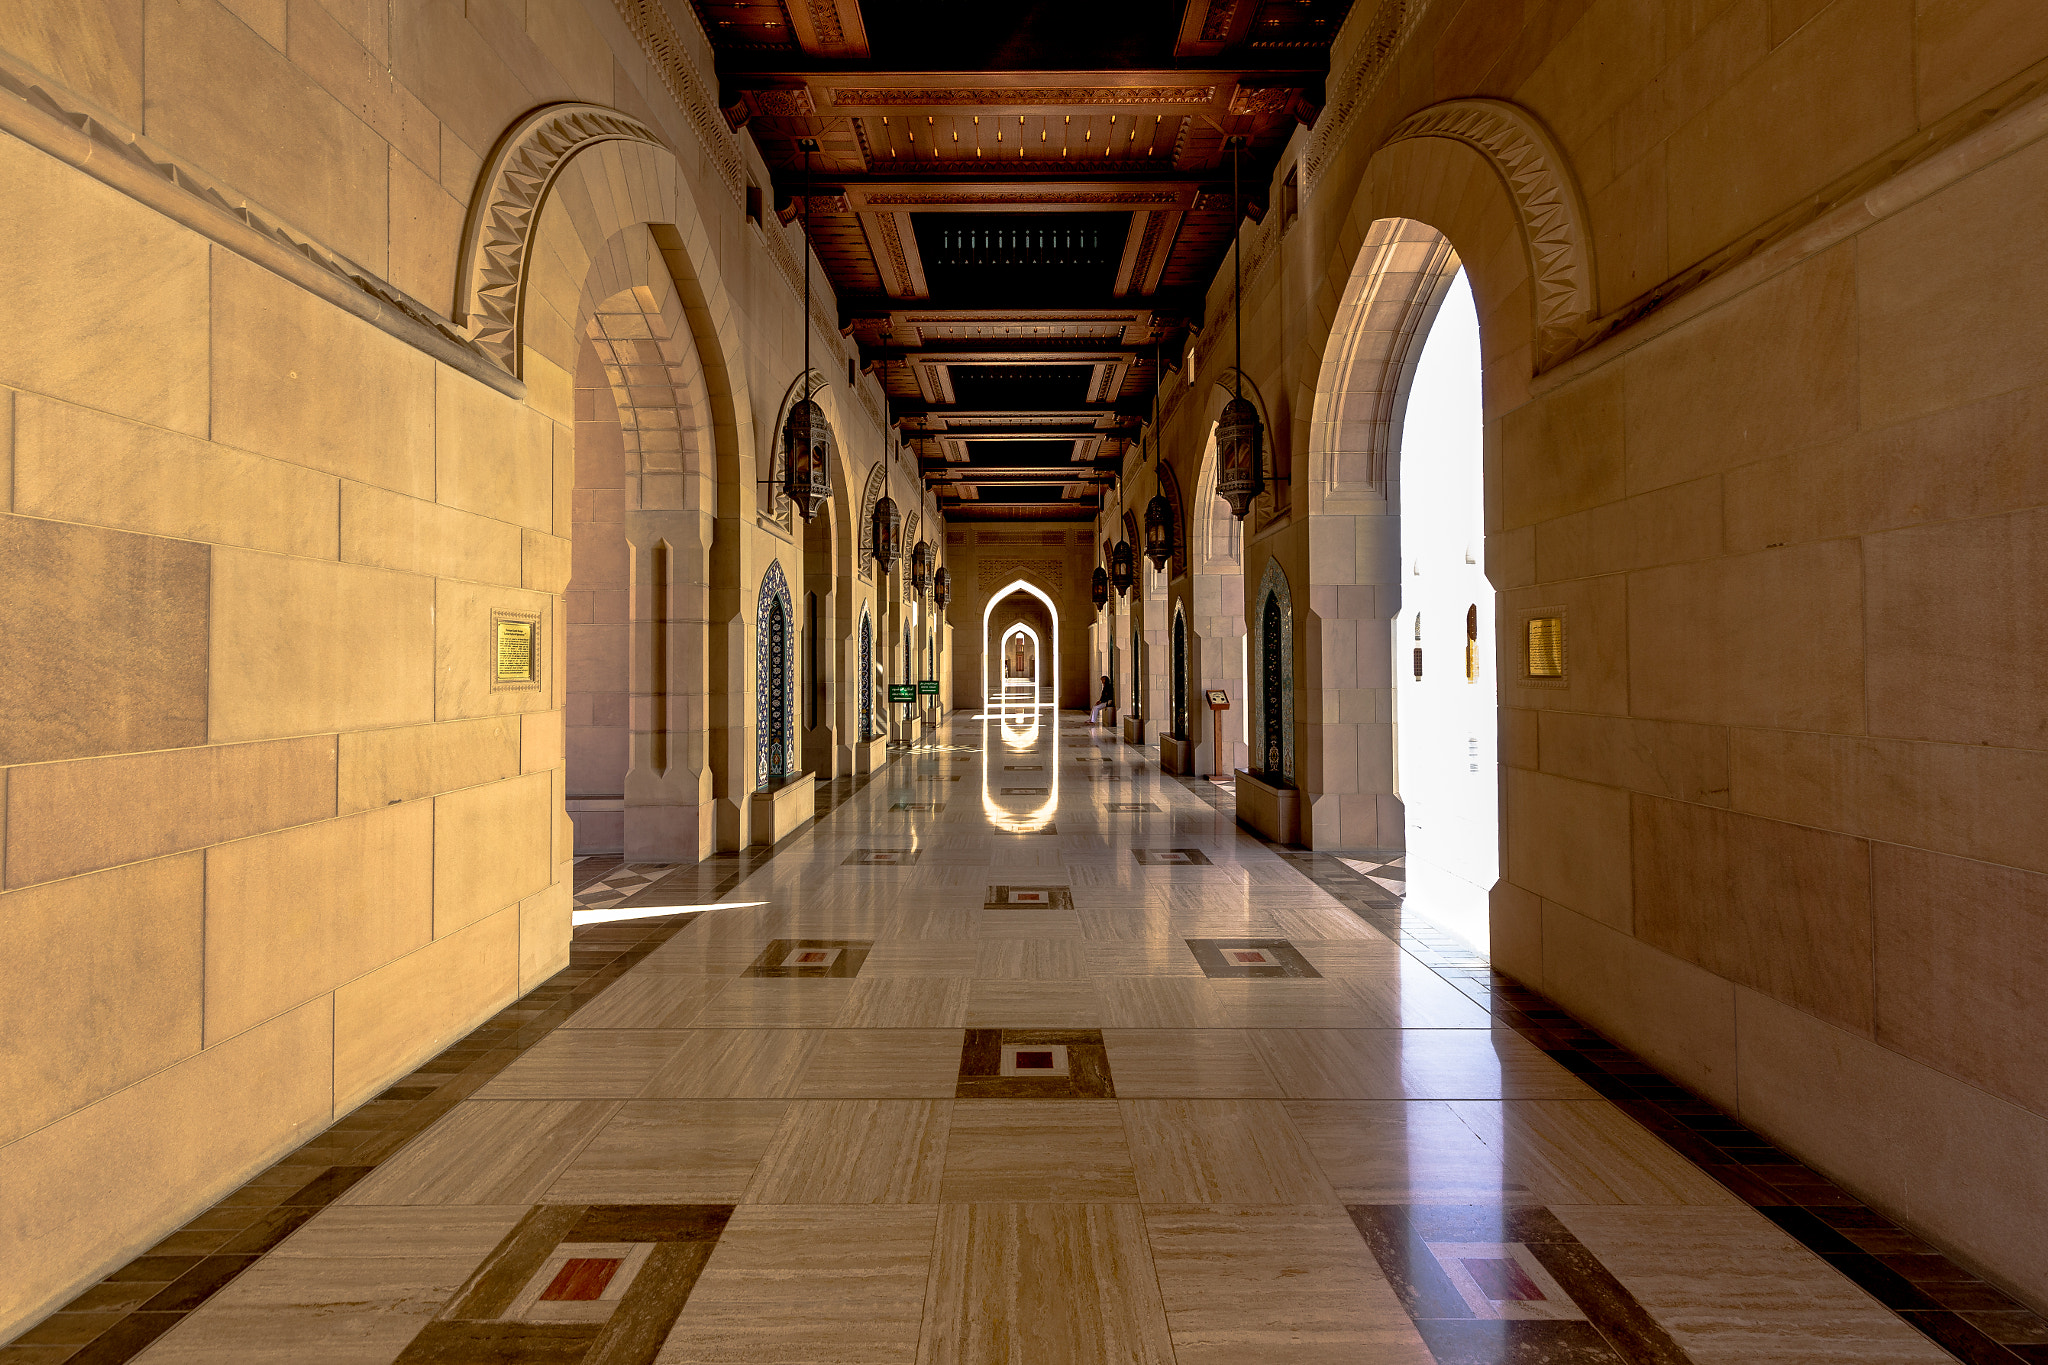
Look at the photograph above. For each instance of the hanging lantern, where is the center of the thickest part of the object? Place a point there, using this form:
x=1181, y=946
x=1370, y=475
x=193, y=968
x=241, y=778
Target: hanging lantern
x=1240, y=442
x=921, y=567
x=807, y=448
x=942, y=588
x=1159, y=532
x=1098, y=589
x=806, y=436
x=1240, y=475
x=1123, y=567
x=888, y=533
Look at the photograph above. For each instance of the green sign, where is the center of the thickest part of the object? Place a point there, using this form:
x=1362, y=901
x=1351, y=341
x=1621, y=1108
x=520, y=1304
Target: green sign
x=928, y=687
x=902, y=692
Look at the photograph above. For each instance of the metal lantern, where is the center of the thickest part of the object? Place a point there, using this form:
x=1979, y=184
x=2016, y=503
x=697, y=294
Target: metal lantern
x=942, y=588
x=1240, y=443
x=1098, y=589
x=1123, y=567
x=1159, y=532
x=888, y=533
x=921, y=567
x=807, y=448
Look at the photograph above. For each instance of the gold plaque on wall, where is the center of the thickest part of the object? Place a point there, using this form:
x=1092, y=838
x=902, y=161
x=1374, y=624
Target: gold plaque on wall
x=515, y=651
x=1546, y=647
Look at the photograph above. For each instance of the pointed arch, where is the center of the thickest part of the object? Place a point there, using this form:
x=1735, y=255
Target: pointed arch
x=1051, y=609
x=1272, y=679
x=878, y=478
x=774, y=678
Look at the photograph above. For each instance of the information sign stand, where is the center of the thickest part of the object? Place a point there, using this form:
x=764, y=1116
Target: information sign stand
x=1219, y=702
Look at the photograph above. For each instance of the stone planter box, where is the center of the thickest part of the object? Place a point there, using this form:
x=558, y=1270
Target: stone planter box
x=779, y=810
x=1134, y=729
x=1177, y=755
x=1273, y=811
x=870, y=755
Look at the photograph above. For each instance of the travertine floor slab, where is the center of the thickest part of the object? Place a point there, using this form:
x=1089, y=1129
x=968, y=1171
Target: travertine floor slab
x=1154, y=1113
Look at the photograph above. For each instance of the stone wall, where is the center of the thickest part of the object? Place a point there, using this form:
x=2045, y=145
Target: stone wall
x=1761, y=290
x=1056, y=559
x=267, y=472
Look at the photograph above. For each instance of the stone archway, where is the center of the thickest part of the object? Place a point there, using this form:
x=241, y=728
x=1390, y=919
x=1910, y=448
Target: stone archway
x=578, y=205
x=1472, y=182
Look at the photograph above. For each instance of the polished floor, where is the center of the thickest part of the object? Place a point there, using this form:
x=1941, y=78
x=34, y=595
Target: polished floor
x=1025, y=1053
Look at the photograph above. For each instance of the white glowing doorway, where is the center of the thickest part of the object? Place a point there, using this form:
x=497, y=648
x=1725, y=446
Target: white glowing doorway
x=1445, y=693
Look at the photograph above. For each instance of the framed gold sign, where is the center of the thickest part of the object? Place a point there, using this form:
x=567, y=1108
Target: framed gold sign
x=1544, y=640
x=515, y=651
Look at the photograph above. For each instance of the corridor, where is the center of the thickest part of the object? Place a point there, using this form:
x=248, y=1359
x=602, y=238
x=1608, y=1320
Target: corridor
x=1027, y=1053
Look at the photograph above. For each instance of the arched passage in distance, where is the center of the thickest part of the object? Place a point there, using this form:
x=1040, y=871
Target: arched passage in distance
x=991, y=679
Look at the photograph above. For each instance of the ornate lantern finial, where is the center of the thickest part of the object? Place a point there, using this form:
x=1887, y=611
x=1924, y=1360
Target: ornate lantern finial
x=1240, y=466
x=888, y=534
x=1159, y=531
x=1123, y=568
x=807, y=448
x=1098, y=588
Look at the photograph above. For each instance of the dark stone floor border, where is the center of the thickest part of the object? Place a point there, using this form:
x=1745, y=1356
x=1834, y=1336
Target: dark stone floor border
x=1970, y=1319
x=115, y=1319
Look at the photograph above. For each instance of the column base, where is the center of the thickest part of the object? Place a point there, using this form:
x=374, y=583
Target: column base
x=1272, y=810
x=780, y=810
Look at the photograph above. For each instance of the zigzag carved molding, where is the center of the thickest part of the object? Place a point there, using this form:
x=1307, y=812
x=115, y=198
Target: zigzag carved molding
x=491, y=277
x=1547, y=201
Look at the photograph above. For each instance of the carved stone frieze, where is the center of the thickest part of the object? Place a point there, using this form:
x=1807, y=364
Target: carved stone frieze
x=491, y=276
x=974, y=196
x=1547, y=201
x=1027, y=97
x=1351, y=85
x=992, y=573
x=655, y=31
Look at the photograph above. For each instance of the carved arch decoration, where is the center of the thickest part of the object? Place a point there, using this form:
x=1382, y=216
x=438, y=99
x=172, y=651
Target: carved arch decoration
x=878, y=478
x=909, y=544
x=1178, y=520
x=1547, y=201
x=491, y=276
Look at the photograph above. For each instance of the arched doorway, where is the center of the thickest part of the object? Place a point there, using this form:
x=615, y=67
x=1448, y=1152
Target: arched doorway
x=1020, y=602
x=774, y=681
x=1445, y=696
x=864, y=679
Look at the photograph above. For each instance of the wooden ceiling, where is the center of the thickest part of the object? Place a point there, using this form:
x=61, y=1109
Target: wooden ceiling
x=1017, y=210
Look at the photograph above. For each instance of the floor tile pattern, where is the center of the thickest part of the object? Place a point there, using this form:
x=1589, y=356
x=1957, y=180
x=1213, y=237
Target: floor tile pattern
x=879, y=1109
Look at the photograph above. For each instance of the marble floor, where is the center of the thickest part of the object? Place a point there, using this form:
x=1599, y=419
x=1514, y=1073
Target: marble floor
x=1025, y=1053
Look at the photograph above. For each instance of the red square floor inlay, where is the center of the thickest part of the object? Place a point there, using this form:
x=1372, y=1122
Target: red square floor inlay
x=582, y=1279
x=1502, y=1281
x=800, y=959
x=1034, y=1061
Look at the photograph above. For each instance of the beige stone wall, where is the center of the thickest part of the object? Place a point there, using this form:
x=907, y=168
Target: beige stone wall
x=1056, y=559
x=1763, y=431
x=270, y=834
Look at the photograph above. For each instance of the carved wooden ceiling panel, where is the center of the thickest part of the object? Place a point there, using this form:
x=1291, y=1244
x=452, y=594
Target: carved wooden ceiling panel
x=1015, y=208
